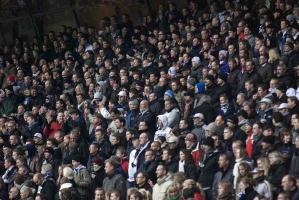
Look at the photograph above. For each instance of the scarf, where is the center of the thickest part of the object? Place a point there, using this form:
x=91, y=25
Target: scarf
x=78, y=169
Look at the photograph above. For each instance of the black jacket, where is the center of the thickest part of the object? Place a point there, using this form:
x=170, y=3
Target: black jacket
x=276, y=173
x=208, y=169
x=48, y=189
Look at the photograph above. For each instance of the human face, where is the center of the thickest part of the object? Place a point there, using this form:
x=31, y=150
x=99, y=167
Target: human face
x=286, y=184
x=99, y=195
x=114, y=140
x=108, y=168
x=165, y=155
x=140, y=179
x=143, y=139
x=148, y=156
x=182, y=156
x=113, y=196
x=160, y=171
x=222, y=162
x=242, y=170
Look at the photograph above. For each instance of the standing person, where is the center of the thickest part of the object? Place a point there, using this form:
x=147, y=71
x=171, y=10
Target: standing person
x=163, y=182
x=208, y=167
x=113, y=180
x=81, y=177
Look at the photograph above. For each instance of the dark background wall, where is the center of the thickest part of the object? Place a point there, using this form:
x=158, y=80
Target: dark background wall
x=24, y=20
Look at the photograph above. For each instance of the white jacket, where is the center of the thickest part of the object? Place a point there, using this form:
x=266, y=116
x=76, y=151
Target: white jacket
x=164, y=130
x=160, y=188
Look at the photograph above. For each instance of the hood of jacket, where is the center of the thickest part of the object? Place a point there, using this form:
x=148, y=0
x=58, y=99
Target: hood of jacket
x=164, y=120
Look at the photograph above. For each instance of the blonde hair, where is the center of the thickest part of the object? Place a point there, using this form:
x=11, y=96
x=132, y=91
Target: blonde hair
x=265, y=164
x=273, y=54
x=277, y=157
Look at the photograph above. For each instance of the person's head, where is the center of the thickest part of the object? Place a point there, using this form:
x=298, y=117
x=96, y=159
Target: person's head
x=238, y=149
x=292, y=102
x=110, y=166
x=76, y=160
x=93, y=148
x=135, y=195
x=8, y=162
x=115, y=195
x=275, y=157
x=166, y=155
x=223, y=161
x=141, y=178
x=284, y=196
x=14, y=193
x=38, y=179
x=149, y=155
x=173, y=192
x=25, y=192
x=99, y=194
x=121, y=152
x=190, y=139
x=264, y=164
x=225, y=188
x=198, y=118
x=288, y=183
x=257, y=129
x=161, y=171
x=143, y=138
x=244, y=169
x=228, y=133
x=245, y=183
x=185, y=155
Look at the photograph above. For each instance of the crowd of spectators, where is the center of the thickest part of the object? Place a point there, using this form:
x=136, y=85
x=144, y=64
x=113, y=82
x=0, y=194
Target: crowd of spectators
x=199, y=102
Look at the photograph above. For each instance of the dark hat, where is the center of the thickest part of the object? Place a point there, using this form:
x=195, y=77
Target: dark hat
x=49, y=150
x=270, y=139
x=209, y=142
x=77, y=158
x=222, y=77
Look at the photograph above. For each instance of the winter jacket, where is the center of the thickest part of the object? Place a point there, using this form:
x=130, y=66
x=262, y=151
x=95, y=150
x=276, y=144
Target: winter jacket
x=115, y=181
x=221, y=176
x=209, y=167
x=164, y=130
x=294, y=168
x=263, y=188
x=83, y=180
x=173, y=117
x=275, y=174
x=48, y=189
x=160, y=188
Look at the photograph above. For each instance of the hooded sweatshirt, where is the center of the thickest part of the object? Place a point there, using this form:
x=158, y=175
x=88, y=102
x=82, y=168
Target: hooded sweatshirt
x=164, y=130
